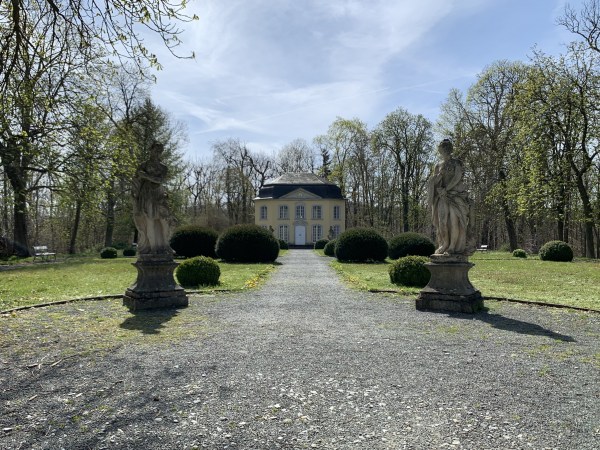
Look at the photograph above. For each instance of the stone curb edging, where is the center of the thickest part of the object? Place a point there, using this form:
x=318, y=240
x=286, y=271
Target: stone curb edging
x=99, y=297
x=375, y=291
x=512, y=300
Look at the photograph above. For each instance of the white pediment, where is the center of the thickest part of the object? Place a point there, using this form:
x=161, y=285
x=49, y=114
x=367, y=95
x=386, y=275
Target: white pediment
x=300, y=194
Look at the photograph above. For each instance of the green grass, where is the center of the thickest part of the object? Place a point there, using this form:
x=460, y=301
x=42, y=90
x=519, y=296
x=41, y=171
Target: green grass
x=499, y=274
x=90, y=276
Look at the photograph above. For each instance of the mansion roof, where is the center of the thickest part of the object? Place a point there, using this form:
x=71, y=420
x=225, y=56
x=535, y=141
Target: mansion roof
x=290, y=182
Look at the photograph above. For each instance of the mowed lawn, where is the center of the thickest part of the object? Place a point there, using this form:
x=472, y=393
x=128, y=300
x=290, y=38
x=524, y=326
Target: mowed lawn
x=499, y=274
x=89, y=277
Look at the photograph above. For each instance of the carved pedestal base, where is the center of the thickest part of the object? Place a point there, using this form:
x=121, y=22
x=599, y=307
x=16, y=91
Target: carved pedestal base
x=449, y=288
x=155, y=286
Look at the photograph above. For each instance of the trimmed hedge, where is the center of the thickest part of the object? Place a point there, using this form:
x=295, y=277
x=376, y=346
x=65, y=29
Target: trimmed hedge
x=198, y=271
x=321, y=243
x=329, y=248
x=283, y=245
x=410, y=243
x=410, y=271
x=129, y=251
x=519, y=253
x=361, y=244
x=247, y=243
x=194, y=240
x=556, y=251
x=108, y=253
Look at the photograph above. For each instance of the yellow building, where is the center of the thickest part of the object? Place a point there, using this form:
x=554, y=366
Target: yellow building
x=301, y=208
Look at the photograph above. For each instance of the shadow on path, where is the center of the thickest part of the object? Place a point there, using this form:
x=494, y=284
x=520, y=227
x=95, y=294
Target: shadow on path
x=514, y=325
x=149, y=321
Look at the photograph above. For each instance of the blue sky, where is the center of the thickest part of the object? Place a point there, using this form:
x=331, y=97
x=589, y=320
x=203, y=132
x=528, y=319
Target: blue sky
x=270, y=71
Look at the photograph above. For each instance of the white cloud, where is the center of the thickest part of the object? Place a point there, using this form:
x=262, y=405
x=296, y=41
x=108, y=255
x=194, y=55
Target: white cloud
x=270, y=71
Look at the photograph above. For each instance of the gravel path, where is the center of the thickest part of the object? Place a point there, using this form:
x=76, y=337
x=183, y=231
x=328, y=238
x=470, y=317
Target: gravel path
x=305, y=362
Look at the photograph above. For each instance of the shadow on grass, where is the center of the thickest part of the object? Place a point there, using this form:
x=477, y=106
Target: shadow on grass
x=514, y=325
x=149, y=321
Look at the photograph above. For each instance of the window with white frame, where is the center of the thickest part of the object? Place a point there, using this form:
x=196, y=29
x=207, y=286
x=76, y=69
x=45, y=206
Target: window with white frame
x=283, y=212
x=317, y=212
x=299, y=211
x=317, y=232
x=283, y=233
x=336, y=231
x=336, y=213
x=263, y=213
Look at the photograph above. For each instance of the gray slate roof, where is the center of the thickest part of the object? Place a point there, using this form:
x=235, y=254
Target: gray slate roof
x=289, y=182
x=298, y=178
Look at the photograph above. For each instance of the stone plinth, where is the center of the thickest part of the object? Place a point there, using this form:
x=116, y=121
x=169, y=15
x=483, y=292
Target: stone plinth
x=449, y=288
x=155, y=286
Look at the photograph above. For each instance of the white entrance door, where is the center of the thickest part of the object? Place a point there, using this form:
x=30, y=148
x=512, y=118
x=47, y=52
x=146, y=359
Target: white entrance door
x=300, y=235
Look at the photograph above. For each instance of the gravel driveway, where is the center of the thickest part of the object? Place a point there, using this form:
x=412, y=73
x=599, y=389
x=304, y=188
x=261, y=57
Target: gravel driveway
x=303, y=362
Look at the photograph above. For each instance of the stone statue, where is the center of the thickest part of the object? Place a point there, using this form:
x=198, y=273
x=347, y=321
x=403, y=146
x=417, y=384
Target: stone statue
x=150, y=209
x=449, y=202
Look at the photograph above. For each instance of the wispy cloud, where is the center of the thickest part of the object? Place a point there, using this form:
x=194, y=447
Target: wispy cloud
x=269, y=72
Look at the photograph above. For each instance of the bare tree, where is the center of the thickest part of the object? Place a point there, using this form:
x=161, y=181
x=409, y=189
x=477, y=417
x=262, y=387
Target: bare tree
x=296, y=157
x=584, y=23
x=115, y=25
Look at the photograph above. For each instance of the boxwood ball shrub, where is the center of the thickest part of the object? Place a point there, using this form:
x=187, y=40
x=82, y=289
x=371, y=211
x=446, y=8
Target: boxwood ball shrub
x=329, y=248
x=410, y=271
x=410, y=243
x=519, y=253
x=198, y=271
x=108, y=253
x=361, y=244
x=247, y=243
x=129, y=251
x=556, y=251
x=194, y=240
x=320, y=244
x=283, y=245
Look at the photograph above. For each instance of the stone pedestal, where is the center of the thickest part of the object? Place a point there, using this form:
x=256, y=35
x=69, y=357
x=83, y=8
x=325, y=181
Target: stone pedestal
x=449, y=288
x=155, y=286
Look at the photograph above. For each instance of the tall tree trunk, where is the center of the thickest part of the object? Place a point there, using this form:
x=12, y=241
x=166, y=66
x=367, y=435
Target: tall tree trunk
x=588, y=214
x=511, y=229
x=5, y=220
x=20, y=216
x=111, y=203
x=405, y=208
x=21, y=239
x=75, y=229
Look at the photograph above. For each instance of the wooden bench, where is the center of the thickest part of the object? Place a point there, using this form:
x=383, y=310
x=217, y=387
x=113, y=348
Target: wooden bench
x=41, y=251
x=482, y=248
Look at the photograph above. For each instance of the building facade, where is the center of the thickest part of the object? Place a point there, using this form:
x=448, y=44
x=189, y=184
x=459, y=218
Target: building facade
x=301, y=208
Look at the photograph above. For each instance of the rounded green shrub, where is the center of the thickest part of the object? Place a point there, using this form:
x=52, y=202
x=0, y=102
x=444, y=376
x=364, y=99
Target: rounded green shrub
x=329, y=248
x=556, y=251
x=283, y=245
x=247, y=243
x=410, y=271
x=320, y=244
x=361, y=244
x=108, y=253
x=129, y=251
x=410, y=243
x=519, y=253
x=194, y=240
x=198, y=271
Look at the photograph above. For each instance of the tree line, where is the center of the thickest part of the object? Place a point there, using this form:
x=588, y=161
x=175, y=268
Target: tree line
x=73, y=127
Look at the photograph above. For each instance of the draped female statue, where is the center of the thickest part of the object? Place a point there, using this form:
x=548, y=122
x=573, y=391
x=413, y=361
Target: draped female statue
x=150, y=207
x=449, y=202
